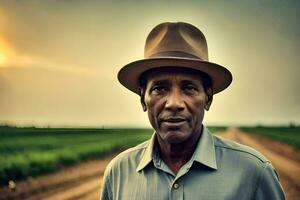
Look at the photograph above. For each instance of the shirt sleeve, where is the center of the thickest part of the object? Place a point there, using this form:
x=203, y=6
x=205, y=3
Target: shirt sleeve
x=268, y=186
x=106, y=193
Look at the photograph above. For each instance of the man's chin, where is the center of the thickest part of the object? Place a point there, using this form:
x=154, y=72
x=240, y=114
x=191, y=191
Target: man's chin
x=174, y=136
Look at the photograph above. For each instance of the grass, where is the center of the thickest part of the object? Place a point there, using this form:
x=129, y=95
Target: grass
x=288, y=134
x=215, y=129
x=33, y=151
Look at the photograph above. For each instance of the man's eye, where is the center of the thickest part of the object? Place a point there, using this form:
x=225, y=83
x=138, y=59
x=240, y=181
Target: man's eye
x=190, y=89
x=158, y=89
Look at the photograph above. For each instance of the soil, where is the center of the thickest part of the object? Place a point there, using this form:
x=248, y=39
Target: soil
x=84, y=180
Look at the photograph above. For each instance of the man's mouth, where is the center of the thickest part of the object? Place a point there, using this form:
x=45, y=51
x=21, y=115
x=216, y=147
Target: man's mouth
x=173, y=121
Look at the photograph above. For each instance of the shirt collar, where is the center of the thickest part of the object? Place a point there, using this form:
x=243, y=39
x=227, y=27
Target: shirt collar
x=148, y=154
x=204, y=152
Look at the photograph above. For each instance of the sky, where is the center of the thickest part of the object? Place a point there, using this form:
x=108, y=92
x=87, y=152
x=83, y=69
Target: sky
x=59, y=59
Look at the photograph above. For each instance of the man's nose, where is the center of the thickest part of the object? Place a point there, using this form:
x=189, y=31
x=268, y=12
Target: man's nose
x=174, y=101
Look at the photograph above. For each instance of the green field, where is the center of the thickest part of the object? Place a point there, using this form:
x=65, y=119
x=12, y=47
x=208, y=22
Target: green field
x=289, y=135
x=34, y=151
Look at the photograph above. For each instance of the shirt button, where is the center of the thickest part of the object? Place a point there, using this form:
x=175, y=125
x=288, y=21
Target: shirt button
x=176, y=186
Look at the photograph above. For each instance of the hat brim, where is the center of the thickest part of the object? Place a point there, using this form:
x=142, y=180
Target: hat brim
x=129, y=75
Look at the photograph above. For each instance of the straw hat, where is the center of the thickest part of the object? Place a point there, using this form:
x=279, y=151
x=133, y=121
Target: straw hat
x=175, y=45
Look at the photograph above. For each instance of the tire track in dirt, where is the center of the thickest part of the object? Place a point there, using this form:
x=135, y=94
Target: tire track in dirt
x=288, y=169
x=81, y=191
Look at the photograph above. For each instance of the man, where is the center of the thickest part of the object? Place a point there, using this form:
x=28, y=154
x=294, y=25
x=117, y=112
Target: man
x=182, y=160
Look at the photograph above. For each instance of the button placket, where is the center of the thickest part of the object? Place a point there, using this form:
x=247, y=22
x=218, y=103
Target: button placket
x=176, y=192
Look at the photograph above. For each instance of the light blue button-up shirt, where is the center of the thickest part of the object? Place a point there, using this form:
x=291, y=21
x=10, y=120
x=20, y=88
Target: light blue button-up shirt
x=218, y=170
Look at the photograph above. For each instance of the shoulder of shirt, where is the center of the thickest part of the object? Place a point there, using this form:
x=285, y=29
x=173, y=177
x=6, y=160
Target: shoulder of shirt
x=138, y=148
x=237, y=148
x=133, y=154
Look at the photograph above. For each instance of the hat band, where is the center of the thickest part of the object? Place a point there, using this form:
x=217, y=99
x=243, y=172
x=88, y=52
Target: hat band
x=178, y=54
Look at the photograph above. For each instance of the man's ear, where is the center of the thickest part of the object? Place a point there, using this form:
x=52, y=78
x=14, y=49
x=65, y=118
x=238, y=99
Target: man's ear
x=209, y=98
x=142, y=99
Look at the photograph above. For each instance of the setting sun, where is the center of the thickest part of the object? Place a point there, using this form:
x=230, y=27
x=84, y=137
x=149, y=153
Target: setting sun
x=2, y=59
x=7, y=52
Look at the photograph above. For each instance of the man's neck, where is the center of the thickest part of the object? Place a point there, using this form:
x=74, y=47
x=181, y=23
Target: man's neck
x=177, y=154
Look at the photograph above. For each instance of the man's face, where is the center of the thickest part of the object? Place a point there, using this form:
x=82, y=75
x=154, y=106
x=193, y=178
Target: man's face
x=175, y=100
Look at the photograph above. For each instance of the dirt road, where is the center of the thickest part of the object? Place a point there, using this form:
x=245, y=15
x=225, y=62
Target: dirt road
x=84, y=180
